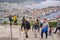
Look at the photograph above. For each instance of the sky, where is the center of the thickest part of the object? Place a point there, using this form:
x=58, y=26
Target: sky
x=44, y=4
x=26, y=0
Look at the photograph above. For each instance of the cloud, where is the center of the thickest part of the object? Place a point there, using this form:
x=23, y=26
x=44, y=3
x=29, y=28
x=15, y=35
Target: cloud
x=26, y=0
x=52, y=0
x=44, y=4
x=21, y=0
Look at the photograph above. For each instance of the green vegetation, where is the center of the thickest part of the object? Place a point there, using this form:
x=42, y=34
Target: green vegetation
x=5, y=22
x=31, y=23
x=18, y=23
x=53, y=24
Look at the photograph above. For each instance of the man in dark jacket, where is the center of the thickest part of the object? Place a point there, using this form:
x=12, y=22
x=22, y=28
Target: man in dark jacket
x=10, y=19
x=26, y=26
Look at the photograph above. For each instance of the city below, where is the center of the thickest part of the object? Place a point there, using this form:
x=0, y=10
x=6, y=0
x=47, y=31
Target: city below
x=30, y=10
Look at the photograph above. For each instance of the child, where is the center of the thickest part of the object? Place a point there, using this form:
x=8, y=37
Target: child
x=50, y=31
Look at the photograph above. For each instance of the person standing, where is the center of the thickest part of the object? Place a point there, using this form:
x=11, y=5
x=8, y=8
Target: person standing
x=58, y=26
x=44, y=29
x=26, y=26
x=41, y=23
x=15, y=19
x=10, y=19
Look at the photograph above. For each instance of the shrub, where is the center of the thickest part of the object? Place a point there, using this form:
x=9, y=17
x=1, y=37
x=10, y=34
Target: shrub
x=5, y=22
x=31, y=23
x=52, y=24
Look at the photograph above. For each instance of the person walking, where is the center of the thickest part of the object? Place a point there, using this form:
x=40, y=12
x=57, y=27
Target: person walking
x=35, y=28
x=26, y=26
x=50, y=30
x=58, y=26
x=44, y=29
x=38, y=23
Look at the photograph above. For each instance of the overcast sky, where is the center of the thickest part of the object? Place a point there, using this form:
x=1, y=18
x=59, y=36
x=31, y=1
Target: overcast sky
x=26, y=0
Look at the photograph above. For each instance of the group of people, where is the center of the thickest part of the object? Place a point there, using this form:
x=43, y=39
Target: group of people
x=13, y=19
x=37, y=26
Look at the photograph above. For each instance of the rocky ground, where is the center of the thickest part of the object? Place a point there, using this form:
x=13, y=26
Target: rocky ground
x=17, y=35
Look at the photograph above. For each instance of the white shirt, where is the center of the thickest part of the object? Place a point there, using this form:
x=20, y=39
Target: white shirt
x=45, y=24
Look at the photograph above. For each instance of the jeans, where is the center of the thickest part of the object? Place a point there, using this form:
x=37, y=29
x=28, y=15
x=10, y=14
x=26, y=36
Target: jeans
x=26, y=34
x=35, y=32
x=46, y=33
x=58, y=28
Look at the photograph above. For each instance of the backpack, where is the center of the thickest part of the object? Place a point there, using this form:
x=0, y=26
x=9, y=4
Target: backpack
x=45, y=28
